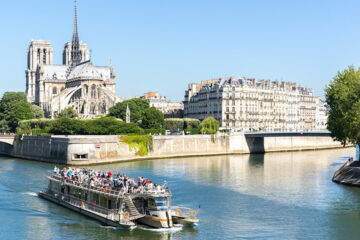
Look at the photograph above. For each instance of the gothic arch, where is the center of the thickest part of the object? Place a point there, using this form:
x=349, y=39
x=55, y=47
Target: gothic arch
x=92, y=108
x=38, y=55
x=86, y=90
x=44, y=56
x=93, y=91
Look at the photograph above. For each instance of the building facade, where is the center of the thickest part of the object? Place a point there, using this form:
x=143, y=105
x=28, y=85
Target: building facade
x=247, y=104
x=168, y=108
x=77, y=83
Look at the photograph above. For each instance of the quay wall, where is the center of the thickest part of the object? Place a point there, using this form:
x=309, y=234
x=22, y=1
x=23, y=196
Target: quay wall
x=85, y=150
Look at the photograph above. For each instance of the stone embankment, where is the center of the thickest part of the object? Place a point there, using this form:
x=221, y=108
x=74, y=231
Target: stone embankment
x=86, y=150
x=349, y=173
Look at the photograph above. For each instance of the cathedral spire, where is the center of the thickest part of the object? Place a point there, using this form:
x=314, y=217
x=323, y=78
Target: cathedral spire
x=75, y=45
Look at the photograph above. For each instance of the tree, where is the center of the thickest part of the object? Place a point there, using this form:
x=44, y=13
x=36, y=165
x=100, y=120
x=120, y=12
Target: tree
x=4, y=126
x=14, y=108
x=153, y=119
x=137, y=108
x=37, y=111
x=343, y=99
x=209, y=126
x=68, y=112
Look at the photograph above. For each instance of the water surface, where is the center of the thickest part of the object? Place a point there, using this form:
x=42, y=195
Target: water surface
x=263, y=196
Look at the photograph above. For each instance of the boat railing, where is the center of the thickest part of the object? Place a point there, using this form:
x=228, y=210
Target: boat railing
x=185, y=212
x=89, y=206
x=108, y=189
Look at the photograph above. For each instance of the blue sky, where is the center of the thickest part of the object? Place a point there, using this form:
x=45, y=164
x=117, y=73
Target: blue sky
x=164, y=45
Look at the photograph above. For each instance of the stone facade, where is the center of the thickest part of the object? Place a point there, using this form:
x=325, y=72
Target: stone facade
x=77, y=83
x=248, y=104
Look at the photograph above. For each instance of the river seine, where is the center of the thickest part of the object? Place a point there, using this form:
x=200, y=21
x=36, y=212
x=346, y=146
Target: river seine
x=263, y=196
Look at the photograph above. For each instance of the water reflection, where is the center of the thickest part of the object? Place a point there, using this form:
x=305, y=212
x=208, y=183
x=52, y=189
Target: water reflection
x=277, y=195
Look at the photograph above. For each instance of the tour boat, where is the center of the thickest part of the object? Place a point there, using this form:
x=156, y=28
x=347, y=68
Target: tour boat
x=116, y=206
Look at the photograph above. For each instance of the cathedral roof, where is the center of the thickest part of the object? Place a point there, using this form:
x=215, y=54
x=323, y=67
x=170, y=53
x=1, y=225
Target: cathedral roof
x=54, y=72
x=87, y=70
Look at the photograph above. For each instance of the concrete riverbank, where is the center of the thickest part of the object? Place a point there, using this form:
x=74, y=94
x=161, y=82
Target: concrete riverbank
x=87, y=150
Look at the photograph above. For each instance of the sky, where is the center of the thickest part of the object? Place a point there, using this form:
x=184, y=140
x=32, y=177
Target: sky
x=165, y=45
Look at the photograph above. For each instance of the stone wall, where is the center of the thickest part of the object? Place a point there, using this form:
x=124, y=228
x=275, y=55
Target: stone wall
x=198, y=144
x=84, y=150
x=290, y=143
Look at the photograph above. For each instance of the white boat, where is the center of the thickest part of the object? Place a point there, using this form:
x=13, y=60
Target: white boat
x=116, y=206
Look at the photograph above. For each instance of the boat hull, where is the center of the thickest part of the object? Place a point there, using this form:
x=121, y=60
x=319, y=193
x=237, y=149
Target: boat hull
x=161, y=220
x=185, y=221
x=85, y=212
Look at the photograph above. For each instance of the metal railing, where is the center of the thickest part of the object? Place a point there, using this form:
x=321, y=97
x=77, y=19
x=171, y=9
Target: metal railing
x=184, y=212
x=108, y=190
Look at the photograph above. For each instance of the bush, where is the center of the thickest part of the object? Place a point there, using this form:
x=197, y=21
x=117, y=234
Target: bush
x=209, y=126
x=24, y=130
x=66, y=126
x=191, y=122
x=154, y=131
x=192, y=131
x=41, y=123
x=39, y=132
x=174, y=124
x=179, y=124
x=98, y=126
x=142, y=143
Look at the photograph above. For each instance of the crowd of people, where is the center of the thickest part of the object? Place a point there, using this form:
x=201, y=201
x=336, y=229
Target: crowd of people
x=107, y=180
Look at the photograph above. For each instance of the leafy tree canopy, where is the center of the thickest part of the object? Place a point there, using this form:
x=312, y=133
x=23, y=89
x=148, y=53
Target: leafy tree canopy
x=137, y=108
x=68, y=112
x=209, y=126
x=153, y=119
x=14, y=108
x=343, y=99
x=37, y=111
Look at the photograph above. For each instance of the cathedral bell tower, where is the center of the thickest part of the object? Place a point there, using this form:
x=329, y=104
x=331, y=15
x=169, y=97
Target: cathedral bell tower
x=75, y=44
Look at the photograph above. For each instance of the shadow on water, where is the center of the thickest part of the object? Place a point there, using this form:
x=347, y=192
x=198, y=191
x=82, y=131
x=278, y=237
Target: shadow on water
x=256, y=160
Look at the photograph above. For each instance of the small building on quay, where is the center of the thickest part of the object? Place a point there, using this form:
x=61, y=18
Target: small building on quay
x=247, y=104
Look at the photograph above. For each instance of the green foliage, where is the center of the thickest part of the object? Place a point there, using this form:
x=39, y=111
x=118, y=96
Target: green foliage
x=41, y=123
x=191, y=123
x=154, y=131
x=14, y=108
x=4, y=126
x=343, y=99
x=37, y=111
x=178, y=124
x=23, y=130
x=141, y=143
x=153, y=119
x=66, y=126
x=68, y=112
x=98, y=126
x=209, y=126
x=137, y=108
x=174, y=124
x=192, y=131
x=39, y=132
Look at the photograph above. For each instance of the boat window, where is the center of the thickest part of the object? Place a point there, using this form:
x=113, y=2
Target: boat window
x=161, y=203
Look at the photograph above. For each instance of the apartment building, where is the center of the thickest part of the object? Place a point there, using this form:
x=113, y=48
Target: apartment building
x=247, y=104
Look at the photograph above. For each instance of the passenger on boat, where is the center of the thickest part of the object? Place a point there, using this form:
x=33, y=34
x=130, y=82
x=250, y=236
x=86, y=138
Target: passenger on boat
x=108, y=180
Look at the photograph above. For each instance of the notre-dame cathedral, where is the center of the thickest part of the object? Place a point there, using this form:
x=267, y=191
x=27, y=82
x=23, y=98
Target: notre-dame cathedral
x=77, y=83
